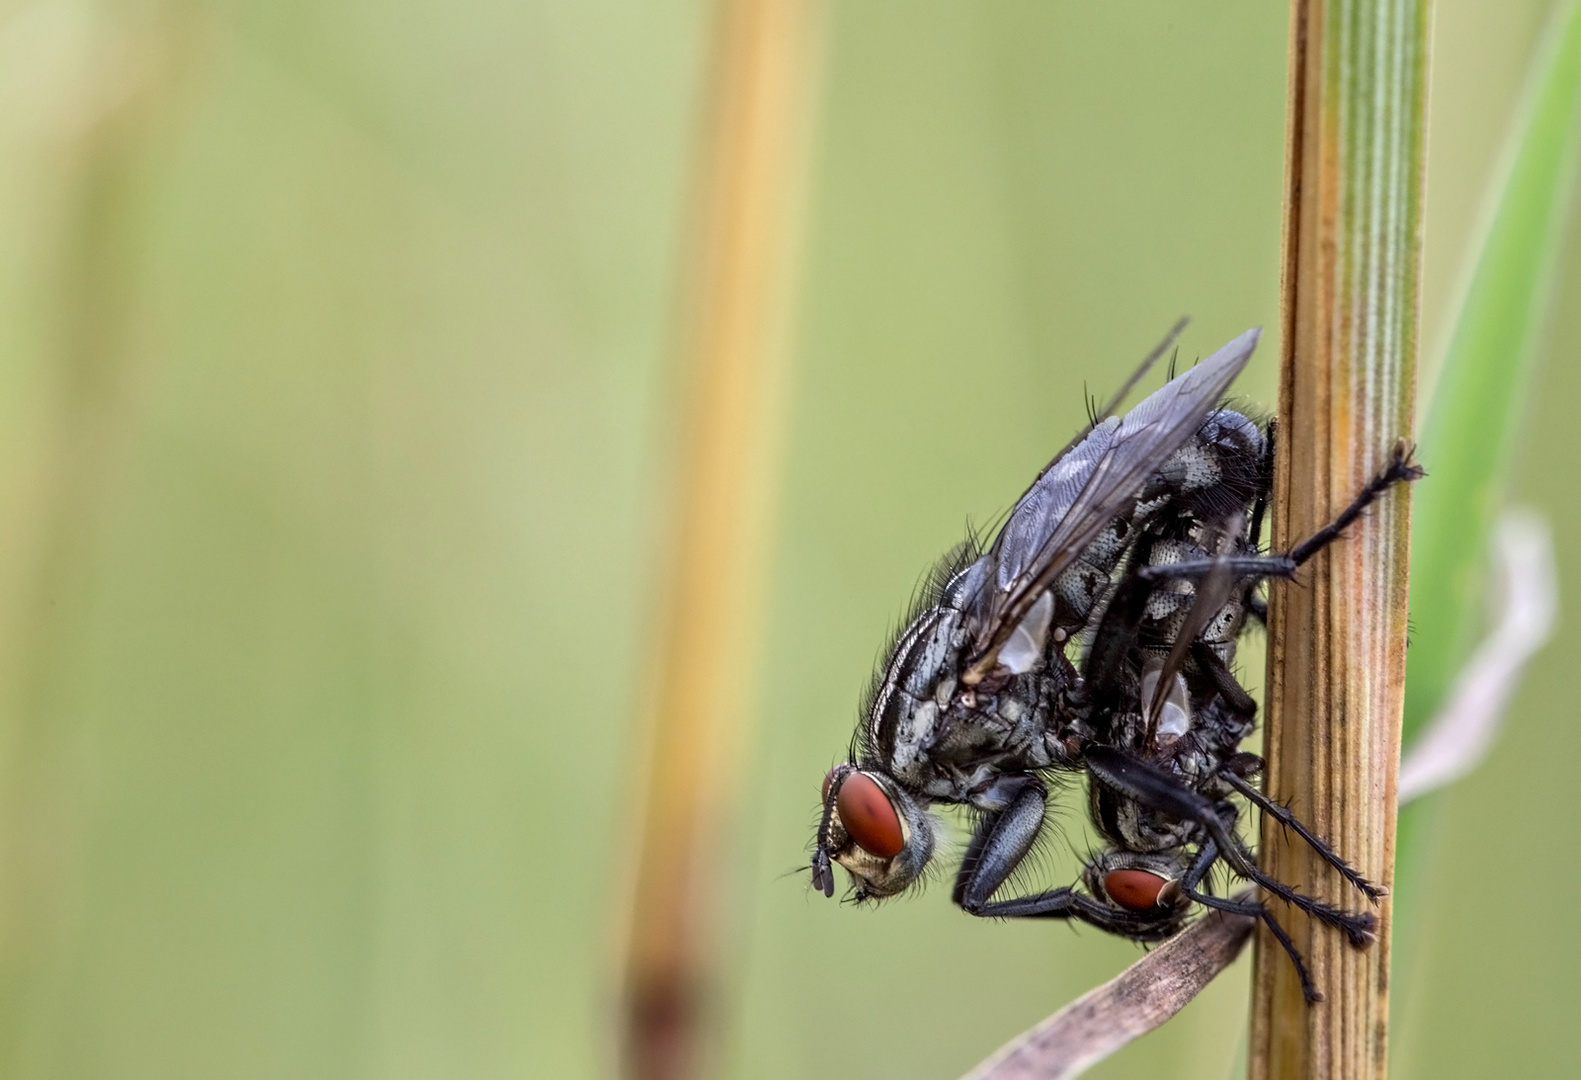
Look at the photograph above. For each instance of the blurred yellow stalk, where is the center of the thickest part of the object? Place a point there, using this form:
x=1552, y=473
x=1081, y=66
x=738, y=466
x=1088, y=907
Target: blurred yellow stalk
x=733, y=324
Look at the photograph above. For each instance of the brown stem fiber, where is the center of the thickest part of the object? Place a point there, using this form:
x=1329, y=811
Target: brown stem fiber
x=1336, y=659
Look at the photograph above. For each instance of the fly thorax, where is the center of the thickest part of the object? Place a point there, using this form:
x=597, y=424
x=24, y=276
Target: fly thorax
x=1142, y=829
x=1149, y=506
x=1012, y=711
x=1106, y=548
x=1174, y=594
x=1193, y=467
x=913, y=739
x=1225, y=627
x=920, y=677
x=1194, y=764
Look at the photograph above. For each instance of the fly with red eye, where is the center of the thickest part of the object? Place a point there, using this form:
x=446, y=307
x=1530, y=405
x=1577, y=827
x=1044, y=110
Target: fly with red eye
x=878, y=833
x=1134, y=890
x=1139, y=540
x=868, y=815
x=943, y=724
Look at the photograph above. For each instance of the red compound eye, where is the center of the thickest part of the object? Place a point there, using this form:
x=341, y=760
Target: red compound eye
x=868, y=816
x=1134, y=889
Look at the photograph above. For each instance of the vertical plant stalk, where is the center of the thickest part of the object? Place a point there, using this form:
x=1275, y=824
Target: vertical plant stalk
x=732, y=325
x=109, y=87
x=1336, y=662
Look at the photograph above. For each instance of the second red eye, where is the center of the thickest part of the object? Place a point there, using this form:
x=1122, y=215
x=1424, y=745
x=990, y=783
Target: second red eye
x=868, y=816
x=1134, y=889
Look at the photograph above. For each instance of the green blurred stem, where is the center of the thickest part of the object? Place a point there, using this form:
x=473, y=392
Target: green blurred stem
x=1473, y=429
x=1473, y=425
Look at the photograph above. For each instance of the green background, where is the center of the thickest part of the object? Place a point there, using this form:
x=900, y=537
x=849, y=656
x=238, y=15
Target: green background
x=336, y=409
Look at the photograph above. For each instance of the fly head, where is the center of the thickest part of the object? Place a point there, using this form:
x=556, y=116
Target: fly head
x=1146, y=884
x=872, y=827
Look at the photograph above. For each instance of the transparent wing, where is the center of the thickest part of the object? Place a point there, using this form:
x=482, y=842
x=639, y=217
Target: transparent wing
x=1071, y=502
x=1101, y=414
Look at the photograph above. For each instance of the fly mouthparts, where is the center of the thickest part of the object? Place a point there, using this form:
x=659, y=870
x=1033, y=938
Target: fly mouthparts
x=823, y=873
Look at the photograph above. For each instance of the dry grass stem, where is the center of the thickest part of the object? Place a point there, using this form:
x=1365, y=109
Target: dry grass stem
x=1336, y=656
x=1126, y=1007
x=732, y=334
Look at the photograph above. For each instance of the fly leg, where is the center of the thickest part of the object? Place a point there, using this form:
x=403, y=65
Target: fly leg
x=1239, y=566
x=1400, y=470
x=1204, y=861
x=1230, y=691
x=1116, y=633
x=1000, y=844
x=1126, y=611
x=1159, y=791
x=1283, y=815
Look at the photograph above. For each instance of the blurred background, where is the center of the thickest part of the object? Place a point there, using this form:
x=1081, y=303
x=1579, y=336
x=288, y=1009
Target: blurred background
x=338, y=416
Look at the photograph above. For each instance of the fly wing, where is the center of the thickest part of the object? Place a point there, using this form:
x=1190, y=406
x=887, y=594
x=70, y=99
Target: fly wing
x=1083, y=491
x=1102, y=414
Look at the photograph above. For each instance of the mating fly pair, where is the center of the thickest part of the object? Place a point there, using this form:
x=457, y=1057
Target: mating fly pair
x=1139, y=541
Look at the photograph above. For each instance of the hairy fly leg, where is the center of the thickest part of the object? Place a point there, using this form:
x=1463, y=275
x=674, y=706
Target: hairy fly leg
x=1283, y=815
x=1162, y=792
x=1002, y=841
x=1206, y=857
x=1231, y=692
x=1067, y=903
x=1116, y=633
x=1240, y=566
x=1400, y=470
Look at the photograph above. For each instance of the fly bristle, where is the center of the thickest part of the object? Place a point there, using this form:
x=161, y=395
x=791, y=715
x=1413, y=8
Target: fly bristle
x=928, y=594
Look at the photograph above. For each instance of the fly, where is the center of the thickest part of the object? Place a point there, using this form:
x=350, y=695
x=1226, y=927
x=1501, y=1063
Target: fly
x=1142, y=533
